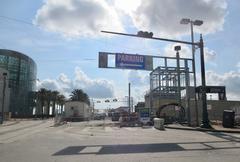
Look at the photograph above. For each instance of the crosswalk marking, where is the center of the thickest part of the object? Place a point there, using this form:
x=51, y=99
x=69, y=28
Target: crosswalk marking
x=86, y=129
x=90, y=149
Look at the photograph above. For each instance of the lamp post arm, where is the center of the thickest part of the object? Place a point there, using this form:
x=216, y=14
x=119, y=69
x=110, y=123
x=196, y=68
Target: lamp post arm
x=155, y=38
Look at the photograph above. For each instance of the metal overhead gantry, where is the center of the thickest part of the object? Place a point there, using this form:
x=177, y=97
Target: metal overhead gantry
x=200, y=44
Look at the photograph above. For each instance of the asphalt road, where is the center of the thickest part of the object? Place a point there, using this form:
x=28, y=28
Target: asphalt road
x=37, y=141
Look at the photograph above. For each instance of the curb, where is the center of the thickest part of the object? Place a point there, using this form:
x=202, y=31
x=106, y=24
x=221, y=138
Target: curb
x=13, y=123
x=203, y=129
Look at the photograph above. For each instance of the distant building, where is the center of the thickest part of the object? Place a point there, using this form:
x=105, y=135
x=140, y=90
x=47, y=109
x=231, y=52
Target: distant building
x=77, y=111
x=121, y=109
x=22, y=72
x=139, y=106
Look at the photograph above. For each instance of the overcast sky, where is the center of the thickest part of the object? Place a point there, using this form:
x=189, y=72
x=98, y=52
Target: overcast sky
x=64, y=40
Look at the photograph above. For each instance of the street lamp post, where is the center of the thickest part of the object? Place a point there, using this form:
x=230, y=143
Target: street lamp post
x=197, y=23
x=177, y=49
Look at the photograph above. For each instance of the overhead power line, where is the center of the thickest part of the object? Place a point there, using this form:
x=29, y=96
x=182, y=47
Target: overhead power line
x=17, y=20
x=64, y=60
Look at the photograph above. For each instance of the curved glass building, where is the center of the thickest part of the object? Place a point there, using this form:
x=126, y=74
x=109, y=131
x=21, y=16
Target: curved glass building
x=21, y=80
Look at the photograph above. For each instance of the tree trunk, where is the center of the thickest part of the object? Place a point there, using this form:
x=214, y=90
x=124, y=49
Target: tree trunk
x=48, y=108
x=53, y=108
x=42, y=106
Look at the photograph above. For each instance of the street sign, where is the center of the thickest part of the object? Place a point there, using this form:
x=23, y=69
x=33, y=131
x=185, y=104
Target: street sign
x=144, y=115
x=127, y=61
x=133, y=61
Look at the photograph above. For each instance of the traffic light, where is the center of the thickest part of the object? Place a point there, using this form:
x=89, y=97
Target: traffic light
x=177, y=48
x=145, y=34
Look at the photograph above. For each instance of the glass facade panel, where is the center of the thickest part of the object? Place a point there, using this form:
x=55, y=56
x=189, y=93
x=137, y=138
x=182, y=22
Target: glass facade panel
x=22, y=80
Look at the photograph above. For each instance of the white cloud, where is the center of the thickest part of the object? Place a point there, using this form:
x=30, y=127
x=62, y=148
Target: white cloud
x=99, y=88
x=238, y=65
x=210, y=55
x=139, y=84
x=76, y=18
x=139, y=92
x=95, y=88
x=163, y=17
x=186, y=52
x=137, y=78
x=48, y=84
x=231, y=80
x=127, y=6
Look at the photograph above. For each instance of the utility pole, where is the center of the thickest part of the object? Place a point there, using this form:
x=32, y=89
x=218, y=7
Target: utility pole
x=129, y=96
x=3, y=95
x=194, y=73
x=205, y=120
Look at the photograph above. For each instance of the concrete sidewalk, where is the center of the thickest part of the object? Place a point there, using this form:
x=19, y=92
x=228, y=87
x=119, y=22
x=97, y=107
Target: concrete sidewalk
x=216, y=128
x=9, y=123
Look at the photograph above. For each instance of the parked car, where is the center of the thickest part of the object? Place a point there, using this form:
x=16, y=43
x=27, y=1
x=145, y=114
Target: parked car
x=99, y=116
x=115, y=116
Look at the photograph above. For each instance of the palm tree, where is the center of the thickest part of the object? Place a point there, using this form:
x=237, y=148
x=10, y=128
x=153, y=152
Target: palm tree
x=41, y=96
x=61, y=99
x=48, y=100
x=44, y=97
x=79, y=95
x=55, y=94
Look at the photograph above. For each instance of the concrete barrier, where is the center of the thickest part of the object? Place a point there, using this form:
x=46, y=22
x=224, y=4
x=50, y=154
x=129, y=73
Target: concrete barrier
x=159, y=123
